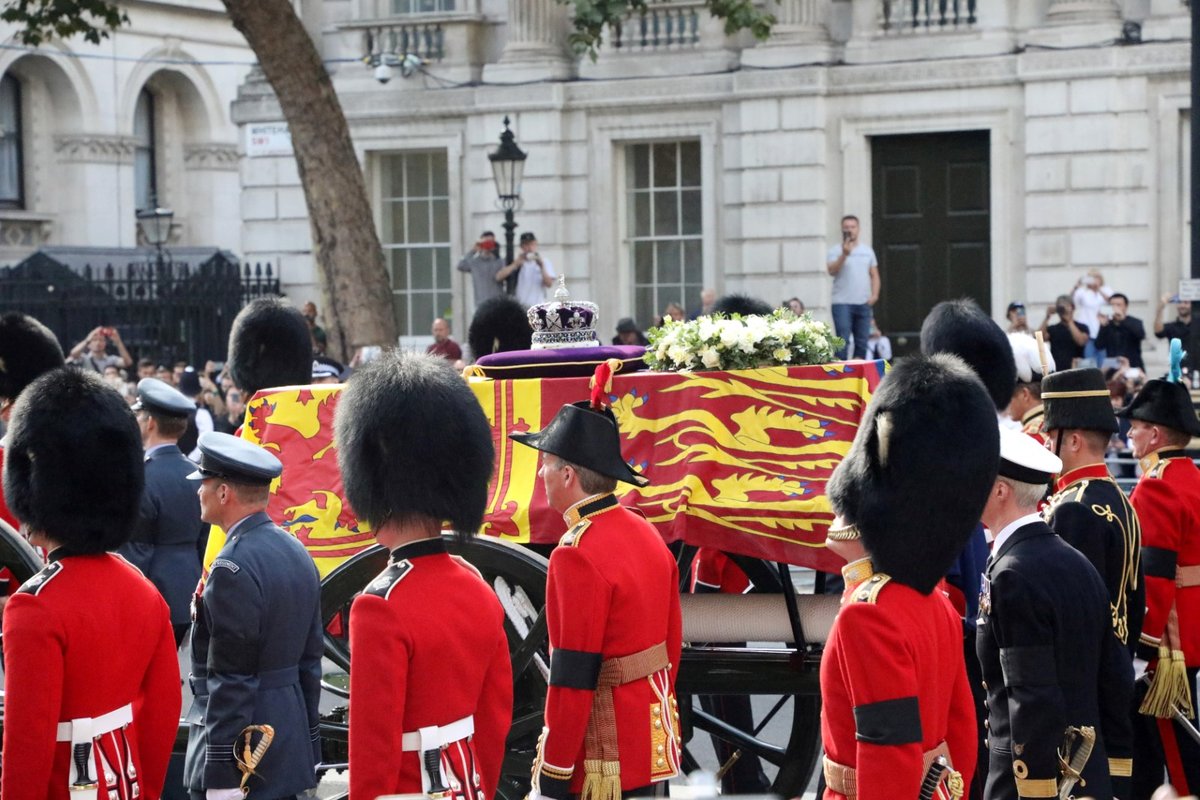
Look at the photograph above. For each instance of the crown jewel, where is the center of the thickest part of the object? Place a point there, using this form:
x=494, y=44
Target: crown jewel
x=564, y=322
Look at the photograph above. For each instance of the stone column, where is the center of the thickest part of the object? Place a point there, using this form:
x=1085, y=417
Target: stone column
x=536, y=48
x=1076, y=23
x=799, y=36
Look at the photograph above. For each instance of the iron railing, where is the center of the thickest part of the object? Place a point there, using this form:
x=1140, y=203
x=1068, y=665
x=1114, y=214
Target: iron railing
x=167, y=310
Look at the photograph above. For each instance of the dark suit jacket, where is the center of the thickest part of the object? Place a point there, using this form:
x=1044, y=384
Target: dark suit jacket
x=256, y=659
x=1123, y=338
x=1050, y=661
x=168, y=541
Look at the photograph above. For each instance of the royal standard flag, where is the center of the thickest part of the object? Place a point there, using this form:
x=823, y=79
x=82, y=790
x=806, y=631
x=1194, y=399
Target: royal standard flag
x=736, y=460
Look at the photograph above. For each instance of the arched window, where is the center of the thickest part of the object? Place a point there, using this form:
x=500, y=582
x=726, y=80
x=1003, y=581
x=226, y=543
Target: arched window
x=12, y=182
x=145, y=171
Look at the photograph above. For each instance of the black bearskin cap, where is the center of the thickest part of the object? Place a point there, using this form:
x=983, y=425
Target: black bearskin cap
x=960, y=327
x=27, y=349
x=918, y=474
x=500, y=324
x=413, y=442
x=741, y=304
x=73, y=461
x=269, y=346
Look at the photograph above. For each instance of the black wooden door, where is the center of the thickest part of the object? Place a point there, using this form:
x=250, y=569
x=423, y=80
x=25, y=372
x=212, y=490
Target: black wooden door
x=931, y=225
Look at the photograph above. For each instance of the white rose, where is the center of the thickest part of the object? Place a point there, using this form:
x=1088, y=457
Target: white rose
x=782, y=354
x=710, y=358
x=731, y=332
x=708, y=329
x=679, y=354
x=747, y=342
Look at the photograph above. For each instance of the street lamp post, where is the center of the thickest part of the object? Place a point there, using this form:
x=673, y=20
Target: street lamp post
x=156, y=228
x=508, y=167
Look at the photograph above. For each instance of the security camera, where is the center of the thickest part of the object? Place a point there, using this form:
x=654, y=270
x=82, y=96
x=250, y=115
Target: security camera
x=383, y=73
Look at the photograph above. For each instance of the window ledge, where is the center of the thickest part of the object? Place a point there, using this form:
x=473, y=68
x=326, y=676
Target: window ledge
x=24, y=230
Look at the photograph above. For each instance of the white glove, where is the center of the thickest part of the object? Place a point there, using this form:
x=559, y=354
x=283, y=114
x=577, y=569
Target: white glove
x=223, y=794
x=1139, y=668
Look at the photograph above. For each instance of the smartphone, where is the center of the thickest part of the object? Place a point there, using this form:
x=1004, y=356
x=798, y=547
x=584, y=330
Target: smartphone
x=845, y=236
x=1106, y=310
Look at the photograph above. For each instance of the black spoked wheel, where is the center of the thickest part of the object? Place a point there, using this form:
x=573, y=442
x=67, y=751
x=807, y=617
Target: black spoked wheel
x=518, y=576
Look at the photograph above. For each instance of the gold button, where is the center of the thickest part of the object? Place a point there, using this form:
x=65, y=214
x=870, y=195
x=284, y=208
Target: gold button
x=875, y=579
x=658, y=723
x=661, y=762
x=660, y=749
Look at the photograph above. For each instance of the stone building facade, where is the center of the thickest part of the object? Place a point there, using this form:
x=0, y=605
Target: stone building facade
x=90, y=134
x=1053, y=134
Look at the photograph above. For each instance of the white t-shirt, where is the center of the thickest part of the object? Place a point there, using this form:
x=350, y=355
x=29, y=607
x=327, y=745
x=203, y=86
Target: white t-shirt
x=530, y=290
x=852, y=284
x=1087, y=307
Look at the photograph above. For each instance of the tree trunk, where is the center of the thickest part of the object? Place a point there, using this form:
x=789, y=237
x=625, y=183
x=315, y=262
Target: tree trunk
x=345, y=244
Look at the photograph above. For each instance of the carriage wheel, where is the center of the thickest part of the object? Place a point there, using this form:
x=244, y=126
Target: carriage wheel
x=16, y=554
x=518, y=577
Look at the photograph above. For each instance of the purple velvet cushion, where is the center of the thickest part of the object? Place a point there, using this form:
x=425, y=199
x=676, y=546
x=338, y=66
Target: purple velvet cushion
x=567, y=362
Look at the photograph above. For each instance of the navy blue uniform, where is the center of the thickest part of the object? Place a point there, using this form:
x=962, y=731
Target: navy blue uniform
x=167, y=543
x=256, y=659
x=1050, y=661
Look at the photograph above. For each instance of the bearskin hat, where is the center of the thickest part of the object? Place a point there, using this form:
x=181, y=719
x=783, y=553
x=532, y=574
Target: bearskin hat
x=500, y=324
x=919, y=471
x=269, y=345
x=73, y=461
x=741, y=304
x=960, y=327
x=413, y=442
x=27, y=349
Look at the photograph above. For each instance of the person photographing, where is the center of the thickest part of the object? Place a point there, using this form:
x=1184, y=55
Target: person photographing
x=534, y=272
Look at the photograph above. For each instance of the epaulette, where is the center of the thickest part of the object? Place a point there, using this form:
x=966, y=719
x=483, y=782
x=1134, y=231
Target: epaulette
x=571, y=538
x=1158, y=469
x=386, y=581
x=869, y=591
x=130, y=564
x=39, y=581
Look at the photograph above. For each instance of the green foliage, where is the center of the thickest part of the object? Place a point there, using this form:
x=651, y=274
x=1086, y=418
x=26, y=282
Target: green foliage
x=591, y=16
x=39, y=20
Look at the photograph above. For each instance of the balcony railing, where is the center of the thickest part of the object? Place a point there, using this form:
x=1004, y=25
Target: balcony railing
x=424, y=39
x=902, y=17
x=663, y=25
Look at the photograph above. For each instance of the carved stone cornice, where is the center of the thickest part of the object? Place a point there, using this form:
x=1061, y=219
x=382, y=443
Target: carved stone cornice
x=95, y=148
x=210, y=156
x=939, y=73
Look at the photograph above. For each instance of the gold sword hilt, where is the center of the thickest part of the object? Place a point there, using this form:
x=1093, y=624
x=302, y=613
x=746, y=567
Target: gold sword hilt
x=249, y=759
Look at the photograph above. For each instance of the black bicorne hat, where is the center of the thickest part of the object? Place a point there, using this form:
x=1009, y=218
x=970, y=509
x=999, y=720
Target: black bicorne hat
x=27, y=349
x=1166, y=403
x=960, y=327
x=1078, y=399
x=582, y=435
x=918, y=474
x=73, y=461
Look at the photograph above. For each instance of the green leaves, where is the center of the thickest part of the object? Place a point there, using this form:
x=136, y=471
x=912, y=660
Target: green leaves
x=39, y=20
x=591, y=16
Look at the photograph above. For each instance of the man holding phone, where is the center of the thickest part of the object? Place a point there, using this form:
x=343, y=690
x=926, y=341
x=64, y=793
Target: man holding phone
x=855, y=272
x=1180, y=329
x=482, y=263
x=1120, y=334
x=92, y=352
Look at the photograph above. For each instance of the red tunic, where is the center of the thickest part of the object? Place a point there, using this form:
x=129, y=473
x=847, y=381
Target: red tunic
x=894, y=686
x=1167, y=501
x=612, y=591
x=429, y=649
x=713, y=571
x=83, y=638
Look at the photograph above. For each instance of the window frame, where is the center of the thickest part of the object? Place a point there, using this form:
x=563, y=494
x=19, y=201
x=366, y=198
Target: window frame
x=151, y=147
x=17, y=203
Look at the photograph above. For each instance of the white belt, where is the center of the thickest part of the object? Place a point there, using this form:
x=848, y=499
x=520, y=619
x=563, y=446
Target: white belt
x=85, y=729
x=436, y=737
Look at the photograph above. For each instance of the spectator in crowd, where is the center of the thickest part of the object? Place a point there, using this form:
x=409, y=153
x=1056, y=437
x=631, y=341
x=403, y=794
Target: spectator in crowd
x=443, y=345
x=878, y=345
x=165, y=374
x=795, y=305
x=855, y=272
x=1067, y=339
x=115, y=377
x=319, y=339
x=1017, y=321
x=628, y=333
x=327, y=370
x=1121, y=335
x=235, y=411
x=482, y=264
x=201, y=421
x=674, y=311
x=1180, y=329
x=92, y=353
x=708, y=301
x=1090, y=294
x=145, y=368
x=534, y=272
